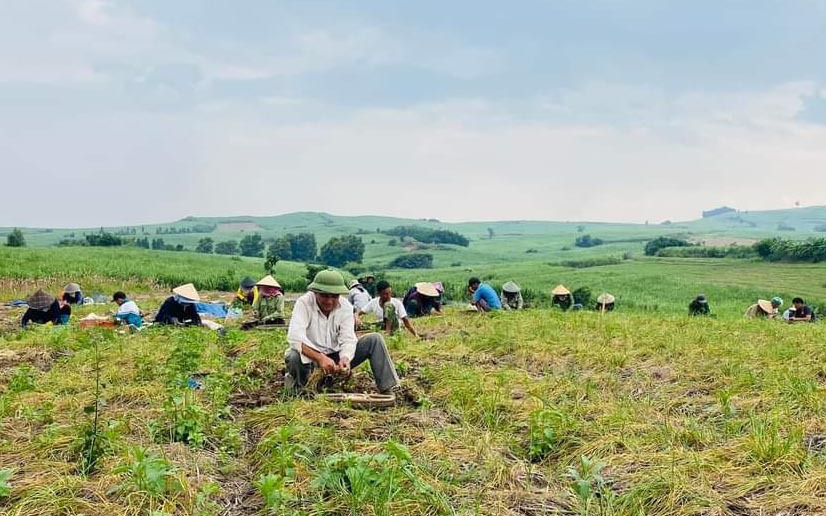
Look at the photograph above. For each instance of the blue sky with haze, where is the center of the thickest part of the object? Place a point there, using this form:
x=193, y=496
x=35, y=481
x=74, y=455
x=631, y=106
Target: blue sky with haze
x=151, y=110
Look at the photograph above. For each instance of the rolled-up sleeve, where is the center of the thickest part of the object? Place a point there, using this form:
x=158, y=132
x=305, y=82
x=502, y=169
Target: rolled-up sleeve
x=347, y=335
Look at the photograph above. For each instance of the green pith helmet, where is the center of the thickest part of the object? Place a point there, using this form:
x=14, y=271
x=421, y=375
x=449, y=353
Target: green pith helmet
x=329, y=282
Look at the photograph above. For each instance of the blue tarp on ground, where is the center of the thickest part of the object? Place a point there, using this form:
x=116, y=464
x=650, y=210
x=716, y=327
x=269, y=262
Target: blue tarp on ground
x=212, y=309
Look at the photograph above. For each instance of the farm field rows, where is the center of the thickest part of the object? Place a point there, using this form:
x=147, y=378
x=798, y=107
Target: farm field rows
x=521, y=412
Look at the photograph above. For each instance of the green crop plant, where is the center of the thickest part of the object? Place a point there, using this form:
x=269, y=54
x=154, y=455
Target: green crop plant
x=282, y=448
x=589, y=485
x=549, y=428
x=147, y=473
x=185, y=421
x=22, y=380
x=274, y=491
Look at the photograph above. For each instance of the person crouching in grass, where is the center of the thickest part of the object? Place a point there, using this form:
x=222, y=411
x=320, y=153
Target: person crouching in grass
x=484, y=297
x=322, y=334
x=389, y=311
x=128, y=311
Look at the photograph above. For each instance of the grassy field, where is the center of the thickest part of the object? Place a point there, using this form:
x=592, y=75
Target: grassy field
x=525, y=413
x=640, y=411
x=663, y=286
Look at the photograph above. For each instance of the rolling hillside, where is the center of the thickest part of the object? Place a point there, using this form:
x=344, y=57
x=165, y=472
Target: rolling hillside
x=491, y=242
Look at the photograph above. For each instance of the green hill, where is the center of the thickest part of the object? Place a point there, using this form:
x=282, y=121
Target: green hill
x=491, y=242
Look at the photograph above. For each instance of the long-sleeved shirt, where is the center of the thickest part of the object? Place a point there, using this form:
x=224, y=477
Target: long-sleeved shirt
x=512, y=302
x=268, y=308
x=50, y=315
x=418, y=305
x=328, y=334
x=358, y=297
x=173, y=312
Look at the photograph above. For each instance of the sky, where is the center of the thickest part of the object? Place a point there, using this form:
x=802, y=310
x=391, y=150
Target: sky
x=128, y=112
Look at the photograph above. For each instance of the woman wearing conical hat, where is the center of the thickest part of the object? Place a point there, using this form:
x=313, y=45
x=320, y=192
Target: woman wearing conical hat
x=43, y=309
x=511, y=296
x=605, y=302
x=269, y=305
x=764, y=309
x=562, y=297
x=179, y=308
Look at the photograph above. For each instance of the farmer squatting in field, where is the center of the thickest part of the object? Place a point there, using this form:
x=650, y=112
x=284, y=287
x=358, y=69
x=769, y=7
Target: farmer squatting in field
x=322, y=334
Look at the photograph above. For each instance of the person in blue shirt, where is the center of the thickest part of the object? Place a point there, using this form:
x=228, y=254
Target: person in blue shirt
x=484, y=297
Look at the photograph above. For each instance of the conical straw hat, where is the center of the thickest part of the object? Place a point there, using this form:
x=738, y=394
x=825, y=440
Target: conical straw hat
x=511, y=287
x=40, y=300
x=268, y=281
x=766, y=306
x=560, y=290
x=426, y=289
x=188, y=291
x=605, y=299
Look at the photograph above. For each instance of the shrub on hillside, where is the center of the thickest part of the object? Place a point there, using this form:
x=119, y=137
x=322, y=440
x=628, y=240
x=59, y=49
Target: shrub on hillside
x=341, y=250
x=227, y=247
x=429, y=236
x=16, y=239
x=587, y=241
x=708, y=252
x=653, y=247
x=413, y=261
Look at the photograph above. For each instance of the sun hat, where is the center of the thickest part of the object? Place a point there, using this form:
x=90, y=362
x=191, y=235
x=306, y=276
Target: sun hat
x=777, y=301
x=71, y=288
x=187, y=291
x=247, y=282
x=353, y=283
x=560, y=290
x=702, y=299
x=605, y=299
x=328, y=282
x=426, y=289
x=40, y=300
x=511, y=287
x=766, y=306
x=268, y=281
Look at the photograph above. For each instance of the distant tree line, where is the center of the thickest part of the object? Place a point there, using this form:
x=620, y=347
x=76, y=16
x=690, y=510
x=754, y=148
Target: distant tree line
x=429, y=236
x=197, y=228
x=300, y=247
x=779, y=249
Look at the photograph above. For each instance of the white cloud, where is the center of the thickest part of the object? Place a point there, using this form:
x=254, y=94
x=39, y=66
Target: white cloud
x=465, y=156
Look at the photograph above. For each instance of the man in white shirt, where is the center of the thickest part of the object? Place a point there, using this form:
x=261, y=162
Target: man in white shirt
x=322, y=334
x=389, y=311
x=358, y=296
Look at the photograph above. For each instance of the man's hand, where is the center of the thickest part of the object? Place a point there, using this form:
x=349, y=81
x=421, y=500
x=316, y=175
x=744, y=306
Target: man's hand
x=327, y=365
x=344, y=364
